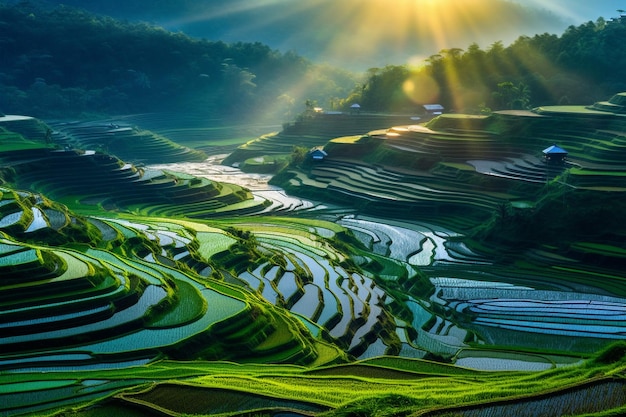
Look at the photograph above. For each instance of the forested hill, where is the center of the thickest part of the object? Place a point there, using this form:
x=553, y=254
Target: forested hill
x=583, y=65
x=352, y=34
x=64, y=61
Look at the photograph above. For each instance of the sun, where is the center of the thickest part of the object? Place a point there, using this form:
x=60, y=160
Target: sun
x=410, y=27
x=364, y=33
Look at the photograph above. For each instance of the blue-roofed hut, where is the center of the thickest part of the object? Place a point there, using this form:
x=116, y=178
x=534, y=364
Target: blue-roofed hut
x=317, y=154
x=554, y=154
x=433, y=109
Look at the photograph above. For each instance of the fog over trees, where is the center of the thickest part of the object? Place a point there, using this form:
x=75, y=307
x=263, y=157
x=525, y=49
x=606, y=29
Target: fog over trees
x=67, y=61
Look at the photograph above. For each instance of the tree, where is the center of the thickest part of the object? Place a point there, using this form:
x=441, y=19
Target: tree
x=511, y=96
x=148, y=68
x=298, y=155
x=383, y=89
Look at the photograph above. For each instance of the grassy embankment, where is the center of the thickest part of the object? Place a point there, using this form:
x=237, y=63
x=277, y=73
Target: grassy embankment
x=382, y=386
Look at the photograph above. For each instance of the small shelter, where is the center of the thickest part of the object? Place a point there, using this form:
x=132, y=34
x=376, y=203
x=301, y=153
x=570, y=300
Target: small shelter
x=433, y=109
x=317, y=154
x=554, y=154
x=355, y=108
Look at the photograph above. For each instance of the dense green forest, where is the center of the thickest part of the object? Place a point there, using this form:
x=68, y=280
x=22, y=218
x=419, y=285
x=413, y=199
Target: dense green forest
x=64, y=61
x=583, y=65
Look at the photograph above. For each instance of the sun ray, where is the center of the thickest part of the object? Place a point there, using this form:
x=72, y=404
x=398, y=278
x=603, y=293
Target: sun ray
x=248, y=9
x=220, y=10
x=369, y=33
x=560, y=8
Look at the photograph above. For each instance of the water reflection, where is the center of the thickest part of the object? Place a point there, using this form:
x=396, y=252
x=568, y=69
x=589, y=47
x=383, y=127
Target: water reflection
x=212, y=169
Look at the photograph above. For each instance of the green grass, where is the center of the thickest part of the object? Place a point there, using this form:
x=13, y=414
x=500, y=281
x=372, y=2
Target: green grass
x=347, y=139
x=419, y=366
x=459, y=166
x=585, y=172
x=189, y=306
x=213, y=242
x=425, y=385
x=219, y=136
x=583, y=110
x=599, y=248
x=294, y=223
x=11, y=141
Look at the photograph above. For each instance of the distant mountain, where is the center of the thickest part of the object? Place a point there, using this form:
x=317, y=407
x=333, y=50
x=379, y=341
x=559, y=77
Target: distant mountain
x=64, y=61
x=353, y=34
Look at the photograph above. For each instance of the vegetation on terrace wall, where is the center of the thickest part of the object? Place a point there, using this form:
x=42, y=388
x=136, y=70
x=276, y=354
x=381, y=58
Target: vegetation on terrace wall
x=76, y=230
x=61, y=61
x=580, y=66
x=560, y=217
x=612, y=354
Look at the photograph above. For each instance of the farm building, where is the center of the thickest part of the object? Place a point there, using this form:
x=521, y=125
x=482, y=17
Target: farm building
x=433, y=109
x=317, y=154
x=554, y=154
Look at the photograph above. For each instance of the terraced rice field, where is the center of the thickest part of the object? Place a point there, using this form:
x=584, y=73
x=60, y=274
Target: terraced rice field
x=124, y=140
x=78, y=306
x=350, y=306
x=312, y=285
x=273, y=278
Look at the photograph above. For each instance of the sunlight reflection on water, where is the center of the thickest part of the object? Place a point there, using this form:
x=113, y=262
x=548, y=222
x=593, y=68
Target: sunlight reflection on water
x=212, y=170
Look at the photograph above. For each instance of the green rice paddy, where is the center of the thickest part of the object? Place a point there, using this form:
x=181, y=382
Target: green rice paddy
x=440, y=291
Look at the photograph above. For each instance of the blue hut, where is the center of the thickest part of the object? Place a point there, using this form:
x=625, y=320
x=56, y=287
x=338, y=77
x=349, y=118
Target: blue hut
x=433, y=109
x=554, y=154
x=317, y=154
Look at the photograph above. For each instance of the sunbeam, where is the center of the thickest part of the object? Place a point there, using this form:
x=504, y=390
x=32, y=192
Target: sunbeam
x=369, y=33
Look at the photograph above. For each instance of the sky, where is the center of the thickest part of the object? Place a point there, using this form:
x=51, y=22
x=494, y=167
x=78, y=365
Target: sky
x=579, y=11
x=371, y=33
x=360, y=34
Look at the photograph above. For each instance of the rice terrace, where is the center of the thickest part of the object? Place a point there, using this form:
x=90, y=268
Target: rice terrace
x=352, y=262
